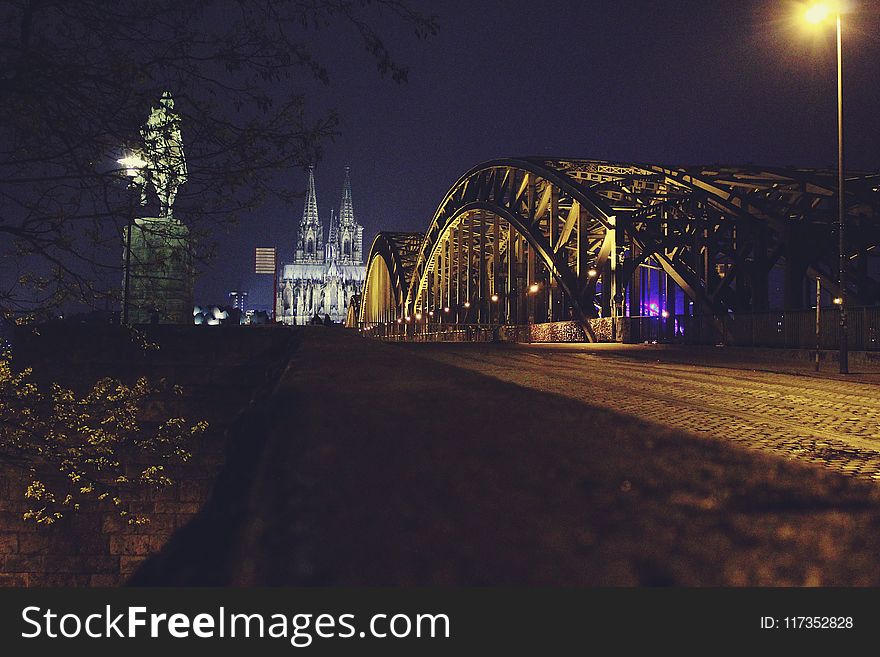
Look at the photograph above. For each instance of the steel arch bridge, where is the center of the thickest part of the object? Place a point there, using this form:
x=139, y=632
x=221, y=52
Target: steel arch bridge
x=535, y=239
x=390, y=265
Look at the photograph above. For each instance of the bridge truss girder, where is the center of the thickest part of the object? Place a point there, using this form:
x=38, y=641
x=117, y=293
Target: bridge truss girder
x=389, y=266
x=583, y=231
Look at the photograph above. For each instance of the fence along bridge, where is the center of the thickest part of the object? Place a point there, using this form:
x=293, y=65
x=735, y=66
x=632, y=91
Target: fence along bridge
x=524, y=241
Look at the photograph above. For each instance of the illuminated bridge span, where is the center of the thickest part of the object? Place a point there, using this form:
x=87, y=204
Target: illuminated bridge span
x=532, y=240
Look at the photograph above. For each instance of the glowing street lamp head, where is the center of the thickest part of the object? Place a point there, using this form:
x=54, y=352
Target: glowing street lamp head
x=446, y=309
x=592, y=273
x=430, y=313
x=399, y=321
x=418, y=316
x=132, y=163
x=467, y=304
x=817, y=13
x=838, y=300
x=664, y=314
x=494, y=297
x=533, y=288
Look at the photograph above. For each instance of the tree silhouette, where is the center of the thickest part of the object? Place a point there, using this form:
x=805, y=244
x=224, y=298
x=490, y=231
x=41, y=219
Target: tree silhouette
x=77, y=80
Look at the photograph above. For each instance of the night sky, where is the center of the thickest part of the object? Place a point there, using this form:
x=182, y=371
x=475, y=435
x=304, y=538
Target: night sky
x=683, y=82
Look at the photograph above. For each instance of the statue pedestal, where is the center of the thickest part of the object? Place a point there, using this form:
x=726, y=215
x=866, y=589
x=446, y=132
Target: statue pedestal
x=161, y=277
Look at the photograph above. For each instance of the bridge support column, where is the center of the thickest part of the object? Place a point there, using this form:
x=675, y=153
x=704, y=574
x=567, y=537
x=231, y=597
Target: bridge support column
x=448, y=302
x=439, y=284
x=552, y=228
x=494, y=287
x=532, y=278
x=669, y=321
x=795, y=270
x=482, y=281
x=635, y=294
x=469, y=256
x=759, y=271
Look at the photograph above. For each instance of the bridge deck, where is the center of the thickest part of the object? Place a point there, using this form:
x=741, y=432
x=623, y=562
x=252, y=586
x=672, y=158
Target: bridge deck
x=384, y=467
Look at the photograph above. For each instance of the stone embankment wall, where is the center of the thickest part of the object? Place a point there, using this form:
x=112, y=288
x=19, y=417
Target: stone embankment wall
x=221, y=370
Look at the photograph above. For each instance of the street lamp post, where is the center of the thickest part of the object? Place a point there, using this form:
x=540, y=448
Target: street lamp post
x=133, y=164
x=818, y=319
x=126, y=291
x=817, y=13
x=844, y=338
x=534, y=288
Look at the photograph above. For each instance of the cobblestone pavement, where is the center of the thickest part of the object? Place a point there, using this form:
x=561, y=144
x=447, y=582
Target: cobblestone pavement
x=824, y=421
x=371, y=465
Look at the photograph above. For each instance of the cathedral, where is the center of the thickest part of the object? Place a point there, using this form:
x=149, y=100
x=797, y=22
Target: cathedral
x=324, y=275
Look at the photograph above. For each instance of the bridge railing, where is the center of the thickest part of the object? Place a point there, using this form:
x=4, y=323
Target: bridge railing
x=792, y=329
x=786, y=329
x=421, y=332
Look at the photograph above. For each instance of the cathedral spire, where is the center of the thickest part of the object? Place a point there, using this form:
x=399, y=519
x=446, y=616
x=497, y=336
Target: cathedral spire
x=346, y=211
x=309, y=247
x=310, y=210
x=332, y=239
x=350, y=231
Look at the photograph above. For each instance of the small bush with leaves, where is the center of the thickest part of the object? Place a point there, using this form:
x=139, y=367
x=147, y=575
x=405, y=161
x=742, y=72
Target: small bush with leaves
x=75, y=448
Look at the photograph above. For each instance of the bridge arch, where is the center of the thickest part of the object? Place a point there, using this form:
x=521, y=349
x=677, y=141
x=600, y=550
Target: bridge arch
x=389, y=266
x=558, y=239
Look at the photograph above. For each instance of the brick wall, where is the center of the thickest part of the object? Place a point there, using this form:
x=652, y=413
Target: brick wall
x=221, y=369
x=93, y=547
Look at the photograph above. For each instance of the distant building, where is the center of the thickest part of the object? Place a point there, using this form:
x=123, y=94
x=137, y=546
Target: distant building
x=215, y=315
x=324, y=275
x=238, y=299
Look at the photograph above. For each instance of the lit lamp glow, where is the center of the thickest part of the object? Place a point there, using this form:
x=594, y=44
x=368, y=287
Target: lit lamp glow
x=467, y=304
x=446, y=309
x=494, y=297
x=533, y=288
x=817, y=13
x=132, y=163
x=592, y=273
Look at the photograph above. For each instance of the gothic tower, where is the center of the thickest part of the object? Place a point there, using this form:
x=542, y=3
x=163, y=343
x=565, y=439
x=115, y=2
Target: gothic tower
x=324, y=278
x=331, y=250
x=351, y=234
x=309, y=247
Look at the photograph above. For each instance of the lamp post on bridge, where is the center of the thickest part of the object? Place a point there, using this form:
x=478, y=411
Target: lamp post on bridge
x=534, y=288
x=816, y=14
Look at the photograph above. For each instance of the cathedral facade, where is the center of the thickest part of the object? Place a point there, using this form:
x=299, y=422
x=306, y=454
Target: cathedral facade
x=325, y=274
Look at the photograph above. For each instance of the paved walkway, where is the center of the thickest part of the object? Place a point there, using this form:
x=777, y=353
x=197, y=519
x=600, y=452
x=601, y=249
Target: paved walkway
x=763, y=401
x=401, y=465
x=863, y=366
x=383, y=467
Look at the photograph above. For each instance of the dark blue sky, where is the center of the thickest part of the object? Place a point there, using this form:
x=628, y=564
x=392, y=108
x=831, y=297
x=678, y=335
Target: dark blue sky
x=685, y=82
